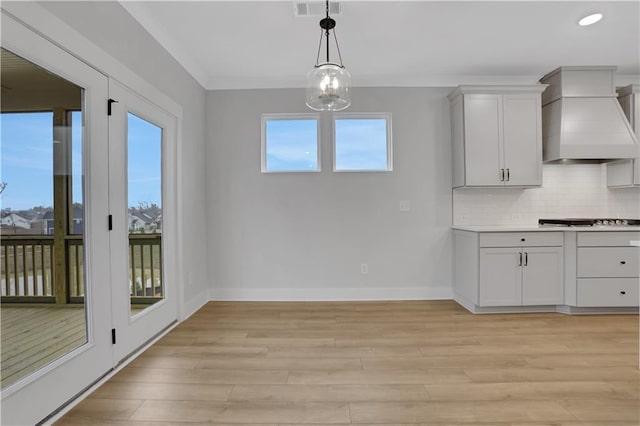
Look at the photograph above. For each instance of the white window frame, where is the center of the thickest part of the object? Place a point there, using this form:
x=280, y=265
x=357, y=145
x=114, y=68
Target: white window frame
x=288, y=116
x=364, y=115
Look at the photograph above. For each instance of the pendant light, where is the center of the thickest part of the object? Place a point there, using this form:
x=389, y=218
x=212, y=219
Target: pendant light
x=328, y=83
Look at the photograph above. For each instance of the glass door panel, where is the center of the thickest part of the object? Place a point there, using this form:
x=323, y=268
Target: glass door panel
x=55, y=274
x=144, y=193
x=42, y=266
x=142, y=201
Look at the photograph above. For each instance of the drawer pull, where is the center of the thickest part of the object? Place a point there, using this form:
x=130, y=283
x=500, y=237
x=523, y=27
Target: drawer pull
x=623, y=293
x=623, y=262
x=522, y=239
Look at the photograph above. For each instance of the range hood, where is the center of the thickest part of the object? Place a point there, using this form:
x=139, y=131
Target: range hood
x=582, y=119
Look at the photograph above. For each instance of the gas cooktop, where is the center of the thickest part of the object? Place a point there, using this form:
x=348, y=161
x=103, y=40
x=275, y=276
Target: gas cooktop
x=589, y=222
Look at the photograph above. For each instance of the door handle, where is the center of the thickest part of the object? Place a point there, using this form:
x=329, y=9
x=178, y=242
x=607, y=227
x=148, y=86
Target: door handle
x=508, y=175
x=526, y=259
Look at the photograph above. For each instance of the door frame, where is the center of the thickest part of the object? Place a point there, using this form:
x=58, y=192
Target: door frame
x=39, y=20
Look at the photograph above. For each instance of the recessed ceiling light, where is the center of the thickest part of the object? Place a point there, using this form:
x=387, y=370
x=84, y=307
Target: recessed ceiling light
x=590, y=19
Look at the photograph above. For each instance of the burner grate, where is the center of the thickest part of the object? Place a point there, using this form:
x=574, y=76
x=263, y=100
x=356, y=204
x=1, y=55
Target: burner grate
x=589, y=222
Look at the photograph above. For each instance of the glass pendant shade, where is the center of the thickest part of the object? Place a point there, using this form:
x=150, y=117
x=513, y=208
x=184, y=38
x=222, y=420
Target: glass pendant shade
x=328, y=88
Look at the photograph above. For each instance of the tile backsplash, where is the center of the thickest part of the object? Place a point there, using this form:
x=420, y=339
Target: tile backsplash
x=569, y=190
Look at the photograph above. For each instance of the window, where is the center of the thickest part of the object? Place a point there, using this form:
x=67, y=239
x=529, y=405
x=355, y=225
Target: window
x=362, y=142
x=290, y=143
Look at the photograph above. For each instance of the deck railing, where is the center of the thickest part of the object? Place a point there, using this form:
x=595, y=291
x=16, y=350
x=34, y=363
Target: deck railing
x=27, y=262
x=26, y=272
x=145, y=267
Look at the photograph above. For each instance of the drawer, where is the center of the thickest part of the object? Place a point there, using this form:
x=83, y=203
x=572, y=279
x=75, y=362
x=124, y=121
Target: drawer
x=595, y=262
x=611, y=239
x=521, y=239
x=608, y=292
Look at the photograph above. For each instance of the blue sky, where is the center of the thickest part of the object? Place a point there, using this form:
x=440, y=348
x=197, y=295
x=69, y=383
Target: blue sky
x=144, y=162
x=291, y=145
x=26, y=164
x=27, y=160
x=361, y=144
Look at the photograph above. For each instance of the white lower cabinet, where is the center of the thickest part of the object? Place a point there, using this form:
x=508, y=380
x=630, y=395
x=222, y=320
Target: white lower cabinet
x=607, y=270
x=522, y=276
x=568, y=271
x=508, y=269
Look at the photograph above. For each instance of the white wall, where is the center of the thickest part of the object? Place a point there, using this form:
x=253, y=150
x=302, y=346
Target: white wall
x=569, y=190
x=111, y=28
x=304, y=236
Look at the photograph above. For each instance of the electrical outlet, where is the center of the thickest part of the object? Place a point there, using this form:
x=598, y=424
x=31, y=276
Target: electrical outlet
x=405, y=205
x=364, y=268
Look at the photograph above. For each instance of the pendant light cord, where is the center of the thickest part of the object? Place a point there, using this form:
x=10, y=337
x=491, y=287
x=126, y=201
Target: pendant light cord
x=327, y=32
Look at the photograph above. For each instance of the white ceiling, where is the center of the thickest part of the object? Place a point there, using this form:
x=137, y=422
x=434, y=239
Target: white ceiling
x=262, y=44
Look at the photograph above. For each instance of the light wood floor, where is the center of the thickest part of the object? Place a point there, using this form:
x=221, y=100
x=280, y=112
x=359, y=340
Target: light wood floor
x=378, y=363
x=34, y=335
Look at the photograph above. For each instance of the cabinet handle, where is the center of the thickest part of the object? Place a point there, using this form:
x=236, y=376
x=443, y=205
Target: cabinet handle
x=508, y=175
x=501, y=175
x=623, y=293
x=522, y=239
x=526, y=259
x=623, y=262
x=520, y=262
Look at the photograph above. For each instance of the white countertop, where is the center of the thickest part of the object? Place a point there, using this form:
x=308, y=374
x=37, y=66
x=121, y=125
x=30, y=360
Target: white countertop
x=538, y=228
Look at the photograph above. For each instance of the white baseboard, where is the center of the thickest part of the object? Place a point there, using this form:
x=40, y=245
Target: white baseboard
x=192, y=306
x=331, y=294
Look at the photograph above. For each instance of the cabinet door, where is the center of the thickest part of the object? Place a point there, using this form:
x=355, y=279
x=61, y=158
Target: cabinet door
x=500, y=277
x=482, y=135
x=542, y=276
x=522, y=140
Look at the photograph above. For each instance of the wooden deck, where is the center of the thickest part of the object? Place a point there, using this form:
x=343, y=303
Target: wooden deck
x=429, y=363
x=34, y=335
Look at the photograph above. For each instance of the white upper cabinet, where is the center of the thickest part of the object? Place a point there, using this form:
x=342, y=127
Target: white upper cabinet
x=496, y=136
x=626, y=173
